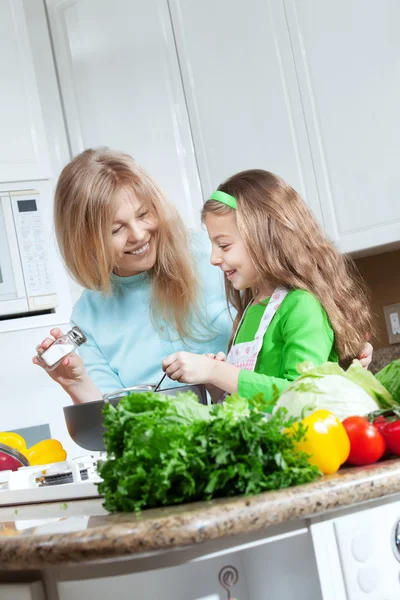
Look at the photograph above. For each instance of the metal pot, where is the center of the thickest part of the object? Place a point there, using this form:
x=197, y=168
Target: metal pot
x=85, y=421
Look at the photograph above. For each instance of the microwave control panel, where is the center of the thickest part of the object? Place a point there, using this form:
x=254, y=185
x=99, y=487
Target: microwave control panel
x=33, y=246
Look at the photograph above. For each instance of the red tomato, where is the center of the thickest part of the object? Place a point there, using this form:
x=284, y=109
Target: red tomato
x=367, y=444
x=380, y=423
x=391, y=433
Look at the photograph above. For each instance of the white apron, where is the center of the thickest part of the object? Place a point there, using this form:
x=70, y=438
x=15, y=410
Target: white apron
x=245, y=354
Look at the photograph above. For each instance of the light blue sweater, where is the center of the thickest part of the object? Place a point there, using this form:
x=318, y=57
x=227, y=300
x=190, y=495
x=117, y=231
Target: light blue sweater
x=124, y=347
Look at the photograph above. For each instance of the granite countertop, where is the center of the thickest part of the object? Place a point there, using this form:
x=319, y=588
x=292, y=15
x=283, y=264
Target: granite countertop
x=61, y=534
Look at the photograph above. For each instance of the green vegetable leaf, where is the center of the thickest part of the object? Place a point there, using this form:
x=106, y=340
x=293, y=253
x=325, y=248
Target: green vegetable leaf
x=234, y=407
x=370, y=384
x=162, y=452
x=389, y=377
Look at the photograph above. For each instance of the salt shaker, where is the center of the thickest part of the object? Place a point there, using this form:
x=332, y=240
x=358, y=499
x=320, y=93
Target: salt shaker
x=64, y=345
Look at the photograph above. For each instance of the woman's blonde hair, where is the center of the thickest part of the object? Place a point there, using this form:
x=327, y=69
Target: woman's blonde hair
x=86, y=199
x=288, y=248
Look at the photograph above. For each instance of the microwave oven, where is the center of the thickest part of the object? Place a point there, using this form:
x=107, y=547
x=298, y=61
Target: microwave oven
x=26, y=281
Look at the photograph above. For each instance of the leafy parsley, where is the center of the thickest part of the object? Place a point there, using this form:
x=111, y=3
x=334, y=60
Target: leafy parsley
x=169, y=450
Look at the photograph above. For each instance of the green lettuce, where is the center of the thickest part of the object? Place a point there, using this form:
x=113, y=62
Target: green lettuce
x=389, y=377
x=345, y=393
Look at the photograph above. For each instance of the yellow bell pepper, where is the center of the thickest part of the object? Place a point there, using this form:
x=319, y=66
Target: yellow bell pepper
x=44, y=452
x=325, y=440
x=14, y=440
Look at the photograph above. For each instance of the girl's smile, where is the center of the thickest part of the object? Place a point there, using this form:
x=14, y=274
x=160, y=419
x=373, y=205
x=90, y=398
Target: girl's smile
x=230, y=274
x=229, y=251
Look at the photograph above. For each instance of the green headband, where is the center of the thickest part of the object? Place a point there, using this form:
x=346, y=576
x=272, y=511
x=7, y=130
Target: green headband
x=224, y=198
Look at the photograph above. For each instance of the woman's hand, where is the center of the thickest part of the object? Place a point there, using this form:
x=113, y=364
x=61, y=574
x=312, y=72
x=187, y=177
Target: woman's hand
x=365, y=357
x=189, y=368
x=72, y=368
x=71, y=374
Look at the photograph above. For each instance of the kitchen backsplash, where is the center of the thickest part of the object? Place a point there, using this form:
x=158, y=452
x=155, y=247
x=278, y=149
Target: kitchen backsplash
x=381, y=273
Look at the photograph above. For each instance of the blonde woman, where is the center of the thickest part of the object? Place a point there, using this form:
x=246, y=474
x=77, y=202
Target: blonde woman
x=297, y=299
x=150, y=289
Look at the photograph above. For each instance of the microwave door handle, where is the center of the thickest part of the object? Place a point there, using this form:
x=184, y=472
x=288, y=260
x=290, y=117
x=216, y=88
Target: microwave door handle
x=15, y=257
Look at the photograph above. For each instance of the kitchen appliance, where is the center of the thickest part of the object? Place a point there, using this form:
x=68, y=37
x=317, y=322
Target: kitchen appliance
x=85, y=421
x=26, y=281
x=68, y=480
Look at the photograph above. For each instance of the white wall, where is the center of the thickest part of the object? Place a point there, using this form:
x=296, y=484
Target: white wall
x=29, y=397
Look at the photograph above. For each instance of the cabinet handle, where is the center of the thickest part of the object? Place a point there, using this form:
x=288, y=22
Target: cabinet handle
x=228, y=577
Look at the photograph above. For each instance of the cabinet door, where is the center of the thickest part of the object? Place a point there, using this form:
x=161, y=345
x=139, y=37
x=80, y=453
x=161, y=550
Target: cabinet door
x=22, y=591
x=347, y=56
x=23, y=147
x=242, y=93
x=121, y=87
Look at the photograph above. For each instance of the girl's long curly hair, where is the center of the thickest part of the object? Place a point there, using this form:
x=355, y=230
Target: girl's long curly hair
x=288, y=248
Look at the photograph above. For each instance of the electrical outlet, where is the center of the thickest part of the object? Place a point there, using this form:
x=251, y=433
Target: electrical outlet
x=392, y=318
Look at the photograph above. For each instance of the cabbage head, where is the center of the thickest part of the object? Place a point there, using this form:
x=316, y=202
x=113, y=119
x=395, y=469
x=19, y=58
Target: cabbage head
x=345, y=393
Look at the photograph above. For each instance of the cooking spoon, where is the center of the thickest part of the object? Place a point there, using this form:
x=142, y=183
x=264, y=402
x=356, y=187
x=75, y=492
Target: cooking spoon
x=160, y=382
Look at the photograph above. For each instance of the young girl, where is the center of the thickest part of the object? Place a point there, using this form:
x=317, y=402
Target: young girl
x=297, y=299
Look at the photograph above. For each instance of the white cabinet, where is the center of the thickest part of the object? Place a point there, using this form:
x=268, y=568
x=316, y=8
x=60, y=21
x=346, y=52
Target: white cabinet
x=197, y=91
x=347, y=56
x=241, y=88
x=357, y=552
x=121, y=87
x=309, y=90
x=23, y=148
x=284, y=569
x=22, y=591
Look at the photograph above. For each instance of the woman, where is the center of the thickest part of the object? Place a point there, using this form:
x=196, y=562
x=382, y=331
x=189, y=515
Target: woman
x=150, y=291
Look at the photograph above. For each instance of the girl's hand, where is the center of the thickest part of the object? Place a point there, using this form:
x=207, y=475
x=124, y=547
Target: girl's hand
x=221, y=356
x=72, y=369
x=189, y=368
x=365, y=357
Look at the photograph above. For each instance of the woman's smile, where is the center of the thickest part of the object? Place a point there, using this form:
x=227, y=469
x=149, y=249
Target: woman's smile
x=142, y=250
x=134, y=237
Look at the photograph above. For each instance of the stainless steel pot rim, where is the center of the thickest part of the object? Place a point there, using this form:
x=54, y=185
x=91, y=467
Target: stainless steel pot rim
x=135, y=388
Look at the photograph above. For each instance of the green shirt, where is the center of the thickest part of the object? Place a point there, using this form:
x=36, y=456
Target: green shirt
x=300, y=331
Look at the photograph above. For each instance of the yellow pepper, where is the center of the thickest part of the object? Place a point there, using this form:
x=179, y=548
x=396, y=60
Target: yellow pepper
x=325, y=440
x=14, y=440
x=46, y=451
